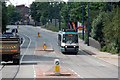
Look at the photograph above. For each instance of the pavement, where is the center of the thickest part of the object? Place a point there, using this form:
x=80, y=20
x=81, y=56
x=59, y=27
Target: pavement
x=105, y=56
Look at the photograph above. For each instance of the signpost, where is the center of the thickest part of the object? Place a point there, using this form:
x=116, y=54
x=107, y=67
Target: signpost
x=80, y=28
x=57, y=66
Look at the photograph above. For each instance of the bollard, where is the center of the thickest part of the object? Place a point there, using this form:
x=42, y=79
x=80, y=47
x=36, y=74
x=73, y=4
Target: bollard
x=18, y=27
x=57, y=66
x=44, y=46
x=38, y=34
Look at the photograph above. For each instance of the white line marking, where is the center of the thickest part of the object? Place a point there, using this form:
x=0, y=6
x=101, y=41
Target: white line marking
x=73, y=71
x=34, y=68
x=26, y=49
x=23, y=41
x=34, y=71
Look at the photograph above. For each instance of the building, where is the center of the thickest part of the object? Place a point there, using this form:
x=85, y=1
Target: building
x=24, y=12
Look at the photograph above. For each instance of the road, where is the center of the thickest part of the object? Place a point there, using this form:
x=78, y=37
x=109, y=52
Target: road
x=35, y=62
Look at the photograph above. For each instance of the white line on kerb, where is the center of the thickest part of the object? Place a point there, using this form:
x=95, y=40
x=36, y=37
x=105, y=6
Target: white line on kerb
x=34, y=68
x=26, y=49
x=34, y=71
x=73, y=71
x=23, y=42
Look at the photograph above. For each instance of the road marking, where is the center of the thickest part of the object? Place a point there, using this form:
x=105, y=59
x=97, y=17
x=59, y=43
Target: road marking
x=34, y=68
x=34, y=71
x=23, y=41
x=34, y=65
x=73, y=71
x=109, y=57
x=26, y=49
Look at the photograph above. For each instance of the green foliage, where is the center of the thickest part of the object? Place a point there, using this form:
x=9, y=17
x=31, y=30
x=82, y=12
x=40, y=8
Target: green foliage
x=4, y=17
x=42, y=20
x=13, y=14
x=64, y=14
x=85, y=37
x=104, y=48
x=111, y=31
x=97, y=26
x=52, y=27
x=39, y=10
x=75, y=12
x=0, y=17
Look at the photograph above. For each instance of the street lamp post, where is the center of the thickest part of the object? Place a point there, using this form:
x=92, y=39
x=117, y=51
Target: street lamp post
x=83, y=21
x=48, y=12
x=55, y=14
x=88, y=26
x=45, y=22
x=111, y=5
x=68, y=13
x=59, y=19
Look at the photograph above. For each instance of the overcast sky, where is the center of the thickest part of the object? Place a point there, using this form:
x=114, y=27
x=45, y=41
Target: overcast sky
x=19, y=2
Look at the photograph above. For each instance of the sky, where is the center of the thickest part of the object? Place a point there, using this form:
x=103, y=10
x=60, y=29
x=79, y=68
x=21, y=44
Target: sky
x=19, y=2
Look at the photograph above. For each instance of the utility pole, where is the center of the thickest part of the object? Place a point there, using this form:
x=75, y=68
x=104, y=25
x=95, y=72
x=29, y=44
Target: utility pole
x=111, y=5
x=59, y=19
x=55, y=14
x=88, y=27
x=45, y=22
x=68, y=13
x=48, y=12
x=83, y=21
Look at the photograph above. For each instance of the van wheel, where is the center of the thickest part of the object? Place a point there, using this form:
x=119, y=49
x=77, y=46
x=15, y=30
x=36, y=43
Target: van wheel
x=16, y=61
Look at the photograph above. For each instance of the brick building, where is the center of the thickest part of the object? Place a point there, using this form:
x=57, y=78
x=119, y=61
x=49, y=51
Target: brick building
x=25, y=11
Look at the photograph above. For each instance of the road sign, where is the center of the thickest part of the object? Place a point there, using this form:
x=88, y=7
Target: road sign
x=57, y=63
x=57, y=66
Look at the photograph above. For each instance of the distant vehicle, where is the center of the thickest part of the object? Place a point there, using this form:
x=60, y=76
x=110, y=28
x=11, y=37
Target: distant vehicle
x=10, y=47
x=68, y=40
x=10, y=34
x=15, y=30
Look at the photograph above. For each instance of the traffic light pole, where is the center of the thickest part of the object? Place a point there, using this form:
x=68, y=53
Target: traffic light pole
x=68, y=14
x=55, y=14
x=111, y=5
x=59, y=19
x=88, y=27
x=83, y=21
x=48, y=12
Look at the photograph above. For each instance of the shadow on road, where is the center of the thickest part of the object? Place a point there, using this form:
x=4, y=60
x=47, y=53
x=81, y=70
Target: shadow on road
x=29, y=63
x=39, y=58
x=73, y=53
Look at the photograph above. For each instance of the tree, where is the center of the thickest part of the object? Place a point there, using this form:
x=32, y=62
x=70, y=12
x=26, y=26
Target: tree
x=4, y=17
x=0, y=17
x=111, y=30
x=40, y=9
x=42, y=20
x=13, y=14
x=97, y=26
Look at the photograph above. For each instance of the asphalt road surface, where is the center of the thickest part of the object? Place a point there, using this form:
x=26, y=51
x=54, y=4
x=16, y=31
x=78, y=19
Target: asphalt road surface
x=36, y=63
